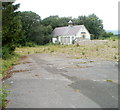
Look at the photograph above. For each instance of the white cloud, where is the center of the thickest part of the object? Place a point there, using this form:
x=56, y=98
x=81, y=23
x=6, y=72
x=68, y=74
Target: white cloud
x=107, y=10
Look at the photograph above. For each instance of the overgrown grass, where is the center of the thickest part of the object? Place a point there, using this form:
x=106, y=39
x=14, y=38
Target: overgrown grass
x=7, y=63
x=110, y=38
x=3, y=95
x=104, y=50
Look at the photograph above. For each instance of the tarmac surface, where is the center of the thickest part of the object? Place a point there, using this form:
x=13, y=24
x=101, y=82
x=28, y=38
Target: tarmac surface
x=55, y=81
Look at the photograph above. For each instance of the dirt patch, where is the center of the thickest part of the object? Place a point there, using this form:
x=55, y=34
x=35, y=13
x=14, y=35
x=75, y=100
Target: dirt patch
x=24, y=62
x=10, y=73
x=23, y=57
x=16, y=71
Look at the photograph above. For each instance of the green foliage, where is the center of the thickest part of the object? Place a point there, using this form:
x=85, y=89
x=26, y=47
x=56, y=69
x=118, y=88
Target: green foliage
x=73, y=41
x=8, y=62
x=5, y=52
x=107, y=34
x=33, y=30
x=11, y=27
x=3, y=95
x=56, y=21
x=92, y=23
x=30, y=44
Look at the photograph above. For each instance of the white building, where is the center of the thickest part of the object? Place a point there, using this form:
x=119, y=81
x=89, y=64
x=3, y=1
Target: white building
x=70, y=34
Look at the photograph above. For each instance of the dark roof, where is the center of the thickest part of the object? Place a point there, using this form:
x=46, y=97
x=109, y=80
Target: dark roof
x=66, y=31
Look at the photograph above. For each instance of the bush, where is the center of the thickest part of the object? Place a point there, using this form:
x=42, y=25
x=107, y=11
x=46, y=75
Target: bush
x=107, y=34
x=30, y=44
x=6, y=52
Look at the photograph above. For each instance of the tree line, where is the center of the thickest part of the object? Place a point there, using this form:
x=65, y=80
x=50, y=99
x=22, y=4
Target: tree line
x=28, y=29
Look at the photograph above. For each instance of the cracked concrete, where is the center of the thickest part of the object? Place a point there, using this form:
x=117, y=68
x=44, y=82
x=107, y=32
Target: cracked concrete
x=51, y=81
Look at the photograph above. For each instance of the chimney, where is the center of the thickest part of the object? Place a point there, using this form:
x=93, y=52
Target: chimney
x=70, y=23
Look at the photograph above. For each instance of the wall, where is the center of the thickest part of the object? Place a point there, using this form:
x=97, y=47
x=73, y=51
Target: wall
x=83, y=29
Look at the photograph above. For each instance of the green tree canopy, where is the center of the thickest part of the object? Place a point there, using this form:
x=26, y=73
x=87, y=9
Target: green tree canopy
x=11, y=27
x=33, y=30
x=56, y=21
x=92, y=23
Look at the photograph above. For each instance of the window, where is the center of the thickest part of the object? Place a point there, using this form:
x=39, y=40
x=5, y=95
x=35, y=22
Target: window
x=83, y=32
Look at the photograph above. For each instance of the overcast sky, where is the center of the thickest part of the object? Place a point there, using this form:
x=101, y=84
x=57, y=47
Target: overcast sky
x=107, y=10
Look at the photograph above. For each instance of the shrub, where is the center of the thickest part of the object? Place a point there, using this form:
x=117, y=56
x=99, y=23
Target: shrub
x=6, y=52
x=96, y=49
x=30, y=44
x=3, y=94
x=77, y=45
x=83, y=53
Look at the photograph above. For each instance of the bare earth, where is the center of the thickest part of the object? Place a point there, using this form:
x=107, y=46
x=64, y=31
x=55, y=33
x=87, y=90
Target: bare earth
x=54, y=81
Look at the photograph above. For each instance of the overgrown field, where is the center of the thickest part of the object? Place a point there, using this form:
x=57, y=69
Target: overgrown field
x=96, y=49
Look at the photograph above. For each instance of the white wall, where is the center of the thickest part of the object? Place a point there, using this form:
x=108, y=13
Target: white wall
x=83, y=29
x=54, y=40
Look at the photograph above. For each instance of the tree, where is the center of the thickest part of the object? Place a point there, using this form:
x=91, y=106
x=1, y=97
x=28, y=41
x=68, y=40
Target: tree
x=95, y=26
x=33, y=30
x=51, y=20
x=56, y=21
x=29, y=20
x=0, y=30
x=92, y=23
x=11, y=27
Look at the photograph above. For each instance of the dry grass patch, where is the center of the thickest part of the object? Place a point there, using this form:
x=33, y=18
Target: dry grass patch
x=96, y=49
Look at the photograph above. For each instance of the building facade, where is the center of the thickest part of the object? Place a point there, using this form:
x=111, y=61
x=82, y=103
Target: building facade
x=70, y=34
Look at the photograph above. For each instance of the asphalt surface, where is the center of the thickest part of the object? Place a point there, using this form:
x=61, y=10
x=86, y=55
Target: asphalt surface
x=54, y=81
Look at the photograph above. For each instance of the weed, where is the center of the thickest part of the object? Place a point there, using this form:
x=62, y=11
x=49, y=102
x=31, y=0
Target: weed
x=82, y=62
x=114, y=46
x=96, y=49
x=113, y=39
x=76, y=57
x=28, y=52
x=115, y=57
x=83, y=53
x=108, y=80
x=7, y=63
x=77, y=45
x=3, y=95
x=52, y=51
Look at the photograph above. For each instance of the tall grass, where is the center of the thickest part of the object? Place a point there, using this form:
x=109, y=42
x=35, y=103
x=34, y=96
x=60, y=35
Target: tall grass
x=104, y=50
x=7, y=63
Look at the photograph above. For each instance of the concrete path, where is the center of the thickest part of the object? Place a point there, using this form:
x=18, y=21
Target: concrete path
x=52, y=81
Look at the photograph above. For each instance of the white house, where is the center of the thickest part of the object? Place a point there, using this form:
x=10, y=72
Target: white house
x=70, y=33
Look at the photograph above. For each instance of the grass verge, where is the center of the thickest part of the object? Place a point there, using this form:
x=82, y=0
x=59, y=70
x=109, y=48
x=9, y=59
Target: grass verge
x=8, y=63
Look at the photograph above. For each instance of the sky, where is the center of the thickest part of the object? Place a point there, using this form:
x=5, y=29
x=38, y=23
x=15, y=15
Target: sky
x=106, y=10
